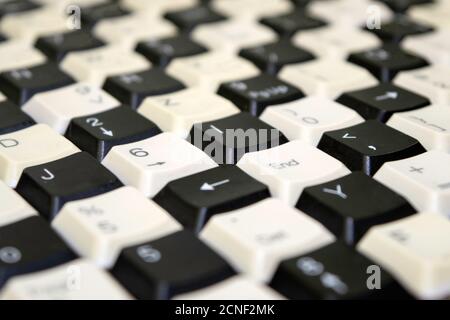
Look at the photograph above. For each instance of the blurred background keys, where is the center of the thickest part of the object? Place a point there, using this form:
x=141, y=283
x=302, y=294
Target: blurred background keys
x=12, y=118
x=189, y=18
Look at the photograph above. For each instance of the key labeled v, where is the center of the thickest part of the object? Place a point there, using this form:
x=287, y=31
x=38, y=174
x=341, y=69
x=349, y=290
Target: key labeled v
x=338, y=191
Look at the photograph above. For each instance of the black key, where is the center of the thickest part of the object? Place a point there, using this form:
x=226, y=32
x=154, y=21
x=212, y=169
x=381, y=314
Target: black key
x=162, y=51
x=335, y=272
x=15, y=6
x=301, y=3
x=188, y=19
x=12, y=118
x=288, y=24
x=20, y=85
x=255, y=94
x=55, y=47
x=382, y=101
x=30, y=245
x=98, y=133
x=49, y=186
x=272, y=57
x=399, y=28
x=169, y=266
x=194, y=199
x=386, y=61
x=367, y=146
x=404, y=5
x=227, y=140
x=351, y=205
x=93, y=14
x=131, y=89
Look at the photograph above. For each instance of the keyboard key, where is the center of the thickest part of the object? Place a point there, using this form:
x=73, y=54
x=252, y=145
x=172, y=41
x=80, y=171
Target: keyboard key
x=19, y=85
x=57, y=108
x=434, y=46
x=79, y=280
x=308, y=118
x=253, y=95
x=12, y=118
x=172, y=265
x=209, y=70
x=350, y=205
x=227, y=140
x=132, y=88
x=335, y=272
x=179, y=111
x=58, y=45
x=234, y=288
x=28, y=147
x=157, y=7
x=188, y=19
x=415, y=250
x=272, y=57
x=431, y=126
x=257, y=238
x=90, y=15
x=382, y=101
x=291, y=167
x=404, y=5
x=251, y=9
x=30, y=245
x=151, y=163
x=327, y=77
x=96, y=65
x=386, y=61
x=24, y=55
x=436, y=15
x=47, y=187
x=432, y=82
x=98, y=133
x=194, y=199
x=15, y=6
x=367, y=146
x=424, y=180
x=12, y=207
x=161, y=51
x=98, y=228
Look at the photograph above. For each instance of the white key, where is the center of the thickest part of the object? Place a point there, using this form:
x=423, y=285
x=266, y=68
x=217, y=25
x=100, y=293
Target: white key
x=58, y=107
x=129, y=30
x=233, y=35
x=234, y=288
x=96, y=64
x=415, y=250
x=158, y=7
x=150, y=164
x=434, y=46
x=179, y=111
x=436, y=15
x=336, y=42
x=211, y=69
x=424, y=180
x=327, y=77
x=432, y=82
x=78, y=280
x=291, y=167
x=251, y=9
x=29, y=147
x=430, y=125
x=257, y=238
x=308, y=118
x=100, y=227
x=12, y=207
x=24, y=55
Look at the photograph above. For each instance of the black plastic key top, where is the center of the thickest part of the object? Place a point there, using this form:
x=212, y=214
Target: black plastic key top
x=188, y=19
x=131, y=89
x=403, y=5
x=386, y=61
x=172, y=265
x=49, y=186
x=20, y=85
x=30, y=245
x=55, y=47
x=335, y=272
x=272, y=57
x=93, y=14
x=15, y=6
x=399, y=28
x=382, y=101
x=350, y=205
x=12, y=118
x=98, y=133
x=367, y=146
x=227, y=140
x=194, y=199
x=160, y=52
x=255, y=94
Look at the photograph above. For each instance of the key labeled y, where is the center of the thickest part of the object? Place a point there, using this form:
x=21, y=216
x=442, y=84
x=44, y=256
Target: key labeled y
x=338, y=191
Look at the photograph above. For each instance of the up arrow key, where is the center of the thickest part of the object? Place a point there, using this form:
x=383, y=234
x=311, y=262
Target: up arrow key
x=348, y=136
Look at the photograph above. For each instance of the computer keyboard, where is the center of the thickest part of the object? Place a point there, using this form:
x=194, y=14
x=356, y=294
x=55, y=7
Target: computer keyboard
x=224, y=149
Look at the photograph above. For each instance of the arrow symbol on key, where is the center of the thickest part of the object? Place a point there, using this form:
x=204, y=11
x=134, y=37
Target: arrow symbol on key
x=106, y=132
x=389, y=95
x=211, y=187
x=348, y=136
x=156, y=164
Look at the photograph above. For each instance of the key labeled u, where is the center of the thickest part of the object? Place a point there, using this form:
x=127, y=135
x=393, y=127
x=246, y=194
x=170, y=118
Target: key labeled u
x=48, y=175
